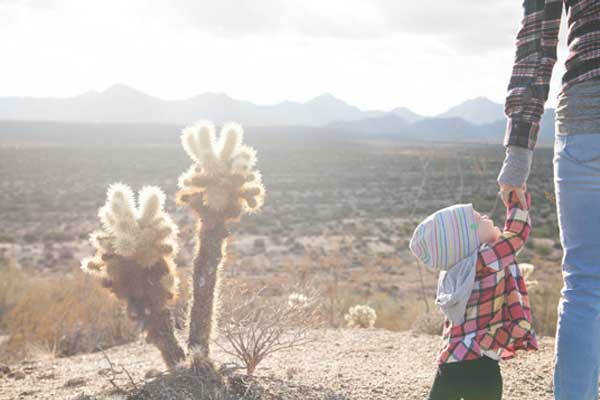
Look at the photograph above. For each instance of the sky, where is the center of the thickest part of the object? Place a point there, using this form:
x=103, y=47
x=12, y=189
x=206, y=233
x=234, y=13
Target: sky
x=375, y=54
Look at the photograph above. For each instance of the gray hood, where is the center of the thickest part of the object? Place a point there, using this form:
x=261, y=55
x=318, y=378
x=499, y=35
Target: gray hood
x=454, y=288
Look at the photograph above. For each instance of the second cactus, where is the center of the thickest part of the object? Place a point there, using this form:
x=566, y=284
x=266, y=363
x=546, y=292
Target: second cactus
x=220, y=186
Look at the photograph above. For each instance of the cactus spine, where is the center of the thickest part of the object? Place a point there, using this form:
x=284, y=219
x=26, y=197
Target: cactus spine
x=134, y=260
x=219, y=187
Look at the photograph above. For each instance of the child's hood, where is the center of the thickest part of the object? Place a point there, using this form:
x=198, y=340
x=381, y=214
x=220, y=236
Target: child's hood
x=454, y=288
x=446, y=237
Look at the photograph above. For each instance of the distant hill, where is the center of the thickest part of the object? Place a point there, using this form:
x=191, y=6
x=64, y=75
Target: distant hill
x=477, y=111
x=124, y=114
x=122, y=104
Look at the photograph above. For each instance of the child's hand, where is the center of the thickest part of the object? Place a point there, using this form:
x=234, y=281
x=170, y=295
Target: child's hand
x=514, y=201
x=507, y=190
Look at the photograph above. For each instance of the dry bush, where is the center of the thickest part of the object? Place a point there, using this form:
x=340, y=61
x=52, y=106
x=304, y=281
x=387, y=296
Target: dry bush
x=544, y=298
x=66, y=316
x=12, y=281
x=254, y=326
x=431, y=323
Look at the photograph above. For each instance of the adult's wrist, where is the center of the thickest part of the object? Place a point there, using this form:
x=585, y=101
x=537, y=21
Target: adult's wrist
x=516, y=166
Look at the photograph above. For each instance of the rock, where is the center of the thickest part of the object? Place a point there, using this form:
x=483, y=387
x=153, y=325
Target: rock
x=4, y=369
x=48, y=375
x=17, y=375
x=75, y=382
x=152, y=373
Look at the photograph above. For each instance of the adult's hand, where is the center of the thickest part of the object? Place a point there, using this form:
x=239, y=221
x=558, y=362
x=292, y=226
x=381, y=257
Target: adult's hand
x=505, y=190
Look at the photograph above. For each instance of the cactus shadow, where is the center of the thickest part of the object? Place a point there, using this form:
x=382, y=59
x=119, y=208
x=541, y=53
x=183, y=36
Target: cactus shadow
x=185, y=383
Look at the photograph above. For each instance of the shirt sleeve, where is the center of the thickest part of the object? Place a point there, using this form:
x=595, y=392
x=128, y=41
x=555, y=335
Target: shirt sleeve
x=529, y=84
x=516, y=232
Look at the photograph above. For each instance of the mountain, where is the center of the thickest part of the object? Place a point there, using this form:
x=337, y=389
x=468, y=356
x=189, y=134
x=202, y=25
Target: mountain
x=475, y=120
x=407, y=114
x=478, y=111
x=122, y=104
x=388, y=124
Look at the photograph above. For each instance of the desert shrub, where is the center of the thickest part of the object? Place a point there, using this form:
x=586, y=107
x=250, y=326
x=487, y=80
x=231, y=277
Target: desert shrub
x=12, y=280
x=66, y=316
x=543, y=250
x=253, y=326
x=361, y=316
x=6, y=238
x=56, y=236
x=259, y=244
x=431, y=323
x=544, y=296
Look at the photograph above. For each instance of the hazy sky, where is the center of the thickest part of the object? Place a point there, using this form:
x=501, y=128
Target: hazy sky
x=427, y=55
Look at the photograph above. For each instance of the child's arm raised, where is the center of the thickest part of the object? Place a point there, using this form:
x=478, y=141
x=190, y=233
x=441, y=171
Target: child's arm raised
x=516, y=232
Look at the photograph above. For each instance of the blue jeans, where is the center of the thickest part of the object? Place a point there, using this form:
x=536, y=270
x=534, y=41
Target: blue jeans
x=577, y=186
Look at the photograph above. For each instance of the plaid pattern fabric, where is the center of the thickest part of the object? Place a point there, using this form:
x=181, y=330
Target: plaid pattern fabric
x=535, y=58
x=498, y=316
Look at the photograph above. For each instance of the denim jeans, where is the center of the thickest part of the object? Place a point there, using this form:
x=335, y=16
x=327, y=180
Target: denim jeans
x=577, y=186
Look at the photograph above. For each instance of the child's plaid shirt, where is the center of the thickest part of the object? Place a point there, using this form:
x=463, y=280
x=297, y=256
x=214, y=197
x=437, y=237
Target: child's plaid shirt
x=498, y=316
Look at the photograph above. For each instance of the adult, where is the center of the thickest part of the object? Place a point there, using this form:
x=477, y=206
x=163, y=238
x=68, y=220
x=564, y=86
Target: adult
x=576, y=171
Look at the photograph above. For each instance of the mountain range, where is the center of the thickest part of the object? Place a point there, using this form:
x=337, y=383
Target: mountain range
x=478, y=119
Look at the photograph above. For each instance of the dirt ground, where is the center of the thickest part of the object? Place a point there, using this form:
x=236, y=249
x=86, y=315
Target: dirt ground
x=341, y=364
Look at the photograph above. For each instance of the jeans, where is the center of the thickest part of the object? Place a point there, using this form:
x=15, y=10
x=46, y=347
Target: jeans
x=577, y=186
x=478, y=379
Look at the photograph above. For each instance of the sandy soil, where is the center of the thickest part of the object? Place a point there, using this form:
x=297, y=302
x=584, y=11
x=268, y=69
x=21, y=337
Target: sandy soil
x=341, y=364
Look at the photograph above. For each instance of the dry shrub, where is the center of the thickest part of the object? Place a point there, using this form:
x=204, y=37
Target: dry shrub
x=431, y=323
x=254, y=326
x=12, y=281
x=544, y=298
x=66, y=316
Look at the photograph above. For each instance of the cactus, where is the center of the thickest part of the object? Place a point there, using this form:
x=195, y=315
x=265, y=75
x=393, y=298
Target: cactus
x=134, y=260
x=361, y=316
x=219, y=187
x=526, y=271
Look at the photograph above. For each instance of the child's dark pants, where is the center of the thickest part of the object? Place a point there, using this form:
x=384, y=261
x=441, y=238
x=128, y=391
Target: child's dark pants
x=469, y=380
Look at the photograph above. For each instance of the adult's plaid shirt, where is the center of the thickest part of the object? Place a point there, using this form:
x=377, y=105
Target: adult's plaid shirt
x=498, y=316
x=535, y=58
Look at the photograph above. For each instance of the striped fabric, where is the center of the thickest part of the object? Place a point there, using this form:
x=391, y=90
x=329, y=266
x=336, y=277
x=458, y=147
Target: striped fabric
x=446, y=237
x=535, y=58
x=498, y=315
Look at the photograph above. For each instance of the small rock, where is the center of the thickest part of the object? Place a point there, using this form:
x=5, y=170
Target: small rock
x=17, y=375
x=27, y=393
x=104, y=371
x=4, y=369
x=48, y=375
x=75, y=382
x=152, y=373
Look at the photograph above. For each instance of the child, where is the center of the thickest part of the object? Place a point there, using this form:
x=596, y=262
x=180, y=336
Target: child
x=482, y=294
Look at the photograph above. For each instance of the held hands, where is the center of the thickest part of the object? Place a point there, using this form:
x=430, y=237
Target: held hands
x=506, y=189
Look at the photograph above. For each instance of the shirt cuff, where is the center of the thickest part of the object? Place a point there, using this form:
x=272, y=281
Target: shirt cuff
x=521, y=133
x=516, y=167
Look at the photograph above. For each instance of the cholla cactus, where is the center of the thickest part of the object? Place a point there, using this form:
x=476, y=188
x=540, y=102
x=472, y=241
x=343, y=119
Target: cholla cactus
x=526, y=271
x=361, y=316
x=134, y=260
x=220, y=186
x=297, y=300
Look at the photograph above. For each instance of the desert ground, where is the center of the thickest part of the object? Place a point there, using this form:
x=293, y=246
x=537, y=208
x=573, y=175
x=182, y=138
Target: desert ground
x=338, y=214
x=342, y=364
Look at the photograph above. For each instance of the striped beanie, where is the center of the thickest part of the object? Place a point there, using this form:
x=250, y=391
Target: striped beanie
x=446, y=237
